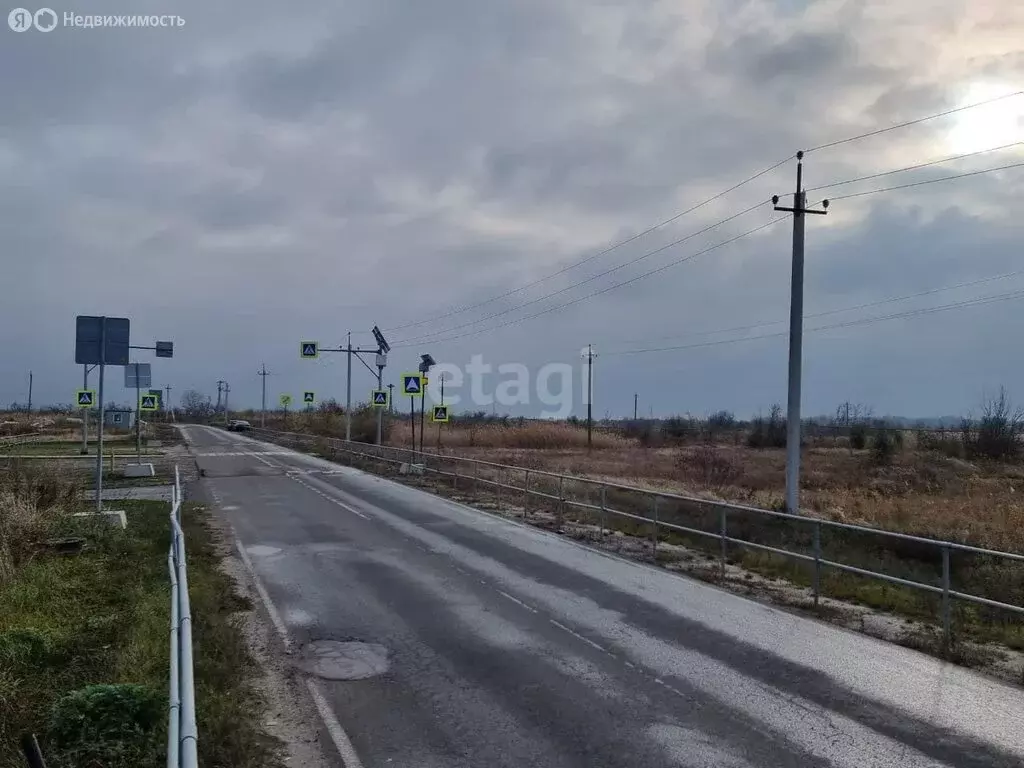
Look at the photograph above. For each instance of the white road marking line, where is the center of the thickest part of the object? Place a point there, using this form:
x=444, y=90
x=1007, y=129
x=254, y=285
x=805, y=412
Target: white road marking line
x=341, y=740
x=331, y=499
x=578, y=636
x=517, y=601
x=275, y=617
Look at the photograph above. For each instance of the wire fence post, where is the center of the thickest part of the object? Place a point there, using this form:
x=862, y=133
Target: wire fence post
x=654, y=529
x=558, y=509
x=526, y=496
x=455, y=474
x=722, y=516
x=476, y=473
x=817, y=561
x=947, y=629
x=604, y=511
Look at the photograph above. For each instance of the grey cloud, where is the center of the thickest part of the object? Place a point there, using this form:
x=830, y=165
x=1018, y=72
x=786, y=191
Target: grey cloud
x=270, y=172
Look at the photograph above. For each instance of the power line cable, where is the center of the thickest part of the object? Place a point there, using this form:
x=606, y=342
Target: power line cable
x=918, y=166
x=590, y=258
x=631, y=262
x=927, y=181
x=913, y=122
x=609, y=288
x=849, y=323
x=867, y=305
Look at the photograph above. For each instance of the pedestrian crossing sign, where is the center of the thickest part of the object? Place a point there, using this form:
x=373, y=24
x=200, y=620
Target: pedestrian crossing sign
x=440, y=414
x=309, y=350
x=148, y=403
x=309, y=398
x=379, y=398
x=85, y=398
x=412, y=383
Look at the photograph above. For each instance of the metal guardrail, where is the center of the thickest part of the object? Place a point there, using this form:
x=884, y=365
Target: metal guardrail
x=435, y=463
x=182, y=734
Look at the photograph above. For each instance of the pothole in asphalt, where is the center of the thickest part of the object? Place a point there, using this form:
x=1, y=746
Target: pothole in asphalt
x=337, y=660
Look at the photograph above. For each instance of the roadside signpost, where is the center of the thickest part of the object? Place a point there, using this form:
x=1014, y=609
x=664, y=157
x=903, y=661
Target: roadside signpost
x=85, y=398
x=379, y=398
x=310, y=350
x=137, y=376
x=309, y=398
x=285, y=401
x=426, y=363
x=440, y=414
x=149, y=402
x=101, y=341
x=412, y=385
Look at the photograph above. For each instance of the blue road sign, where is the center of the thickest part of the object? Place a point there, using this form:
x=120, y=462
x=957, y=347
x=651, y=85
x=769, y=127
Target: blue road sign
x=380, y=398
x=412, y=383
x=91, y=335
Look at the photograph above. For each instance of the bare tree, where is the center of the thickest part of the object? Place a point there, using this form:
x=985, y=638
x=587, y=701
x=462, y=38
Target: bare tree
x=196, y=405
x=997, y=434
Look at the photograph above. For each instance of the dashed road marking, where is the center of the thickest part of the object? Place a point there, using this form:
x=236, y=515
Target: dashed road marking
x=517, y=601
x=578, y=636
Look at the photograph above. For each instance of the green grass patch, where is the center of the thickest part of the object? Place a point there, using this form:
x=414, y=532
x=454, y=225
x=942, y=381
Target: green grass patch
x=102, y=617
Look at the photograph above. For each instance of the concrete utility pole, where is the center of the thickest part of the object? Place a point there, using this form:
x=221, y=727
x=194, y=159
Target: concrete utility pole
x=349, y=350
x=590, y=396
x=220, y=387
x=263, y=400
x=227, y=389
x=391, y=398
x=30, y=391
x=348, y=392
x=636, y=402
x=168, y=408
x=796, y=331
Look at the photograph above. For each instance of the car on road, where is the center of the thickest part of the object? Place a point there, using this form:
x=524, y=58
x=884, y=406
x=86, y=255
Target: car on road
x=239, y=425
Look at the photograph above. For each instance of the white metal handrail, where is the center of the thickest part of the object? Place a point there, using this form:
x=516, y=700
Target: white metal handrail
x=395, y=455
x=182, y=734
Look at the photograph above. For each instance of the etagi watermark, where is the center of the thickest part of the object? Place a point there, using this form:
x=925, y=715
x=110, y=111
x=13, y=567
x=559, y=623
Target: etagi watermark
x=47, y=20
x=515, y=385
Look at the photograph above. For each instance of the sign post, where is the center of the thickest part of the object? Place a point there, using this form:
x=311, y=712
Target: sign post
x=412, y=385
x=101, y=341
x=137, y=376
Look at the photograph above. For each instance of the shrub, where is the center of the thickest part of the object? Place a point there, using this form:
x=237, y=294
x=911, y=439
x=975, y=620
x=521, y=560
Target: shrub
x=110, y=725
x=641, y=430
x=997, y=433
x=714, y=467
x=859, y=437
x=885, y=445
x=770, y=432
x=678, y=429
x=946, y=444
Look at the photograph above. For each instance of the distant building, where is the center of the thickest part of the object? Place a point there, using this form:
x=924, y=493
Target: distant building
x=119, y=418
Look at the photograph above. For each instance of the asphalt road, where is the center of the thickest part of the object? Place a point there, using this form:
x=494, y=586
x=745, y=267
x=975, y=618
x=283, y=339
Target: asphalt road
x=489, y=643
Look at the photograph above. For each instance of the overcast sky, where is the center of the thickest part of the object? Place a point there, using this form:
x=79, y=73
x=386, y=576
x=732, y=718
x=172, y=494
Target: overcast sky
x=271, y=172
